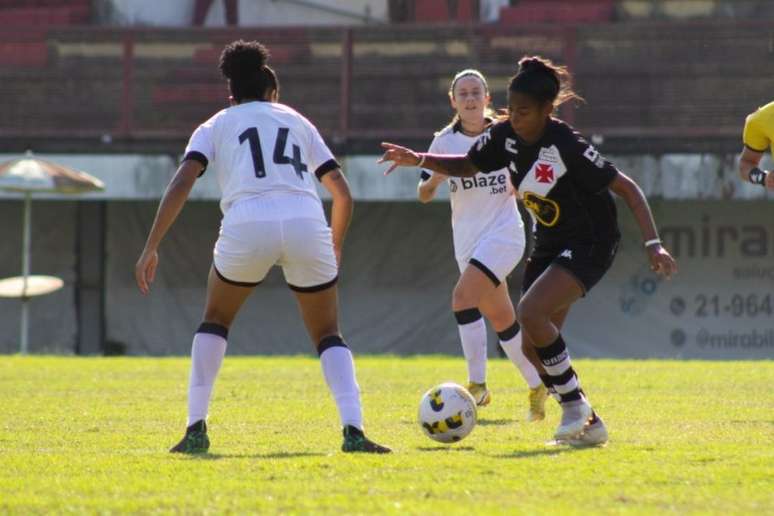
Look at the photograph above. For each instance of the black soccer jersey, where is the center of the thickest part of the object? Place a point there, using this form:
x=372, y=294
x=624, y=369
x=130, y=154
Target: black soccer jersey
x=562, y=180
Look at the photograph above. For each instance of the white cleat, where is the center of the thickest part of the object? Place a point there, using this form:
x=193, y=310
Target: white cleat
x=594, y=434
x=575, y=415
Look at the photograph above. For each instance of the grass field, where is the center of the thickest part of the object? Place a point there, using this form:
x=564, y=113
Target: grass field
x=91, y=434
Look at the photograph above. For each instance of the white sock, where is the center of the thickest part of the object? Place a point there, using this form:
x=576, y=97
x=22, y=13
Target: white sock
x=512, y=348
x=206, y=356
x=339, y=371
x=473, y=337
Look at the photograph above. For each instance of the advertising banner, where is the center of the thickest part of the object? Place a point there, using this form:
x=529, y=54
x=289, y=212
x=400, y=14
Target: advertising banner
x=720, y=305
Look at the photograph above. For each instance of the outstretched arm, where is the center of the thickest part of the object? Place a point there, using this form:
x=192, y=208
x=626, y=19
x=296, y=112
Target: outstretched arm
x=661, y=261
x=452, y=165
x=171, y=204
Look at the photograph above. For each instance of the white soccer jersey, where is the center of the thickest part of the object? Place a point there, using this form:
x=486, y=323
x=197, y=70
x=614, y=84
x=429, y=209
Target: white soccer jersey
x=259, y=148
x=481, y=205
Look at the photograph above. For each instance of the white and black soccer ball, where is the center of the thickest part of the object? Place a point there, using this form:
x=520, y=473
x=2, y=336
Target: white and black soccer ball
x=447, y=413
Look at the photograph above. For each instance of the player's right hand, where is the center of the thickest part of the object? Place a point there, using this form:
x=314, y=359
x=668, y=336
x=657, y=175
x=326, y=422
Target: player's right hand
x=145, y=270
x=400, y=156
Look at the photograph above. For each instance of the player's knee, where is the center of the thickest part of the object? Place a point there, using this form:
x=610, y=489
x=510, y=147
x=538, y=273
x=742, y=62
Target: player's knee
x=503, y=320
x=463, y=298
x=529, y=314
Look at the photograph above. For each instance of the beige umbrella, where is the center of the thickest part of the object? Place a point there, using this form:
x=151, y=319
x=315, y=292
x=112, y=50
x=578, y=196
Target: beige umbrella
x=29, y=175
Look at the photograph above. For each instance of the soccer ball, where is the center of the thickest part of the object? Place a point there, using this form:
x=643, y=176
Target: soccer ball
x=447, y=413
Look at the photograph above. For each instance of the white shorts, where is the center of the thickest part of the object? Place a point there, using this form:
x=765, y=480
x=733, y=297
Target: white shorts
x=303, y=247
x=495, y=255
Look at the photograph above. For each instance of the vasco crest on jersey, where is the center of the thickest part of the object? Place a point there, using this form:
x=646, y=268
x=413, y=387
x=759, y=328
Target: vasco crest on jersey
x=544, y=173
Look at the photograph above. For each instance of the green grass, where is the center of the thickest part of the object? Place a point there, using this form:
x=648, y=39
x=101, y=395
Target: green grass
x=91, y=435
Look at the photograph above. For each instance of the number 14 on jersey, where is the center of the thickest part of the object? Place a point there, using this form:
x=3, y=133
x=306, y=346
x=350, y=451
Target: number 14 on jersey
x=251, y=135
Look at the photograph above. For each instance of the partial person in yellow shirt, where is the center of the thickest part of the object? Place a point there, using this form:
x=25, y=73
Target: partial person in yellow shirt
x=758, y=136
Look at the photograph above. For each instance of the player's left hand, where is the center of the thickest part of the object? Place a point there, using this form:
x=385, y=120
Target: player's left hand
x=770, y=180
x=661, y=262
x=145, y=270
x=400, y=156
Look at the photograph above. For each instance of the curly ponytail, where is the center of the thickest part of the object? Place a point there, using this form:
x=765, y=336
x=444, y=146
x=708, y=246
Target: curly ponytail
x=544, y=81
x=243, y=63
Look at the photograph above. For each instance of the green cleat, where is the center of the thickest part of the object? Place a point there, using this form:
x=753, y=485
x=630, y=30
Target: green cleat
x=356, y=441
x=195, y=440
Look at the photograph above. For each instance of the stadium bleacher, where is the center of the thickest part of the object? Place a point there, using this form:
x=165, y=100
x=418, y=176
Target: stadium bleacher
x=44, y=12
x=156, y=84
x=636, y=63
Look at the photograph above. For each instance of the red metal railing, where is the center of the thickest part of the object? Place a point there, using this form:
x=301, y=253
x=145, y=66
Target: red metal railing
x=688, y=80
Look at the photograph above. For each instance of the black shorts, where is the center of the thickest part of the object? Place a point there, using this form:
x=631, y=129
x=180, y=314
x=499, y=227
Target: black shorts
x=587, y=262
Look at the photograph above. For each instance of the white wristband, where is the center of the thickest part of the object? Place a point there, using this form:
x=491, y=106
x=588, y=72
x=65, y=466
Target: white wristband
x=421, y=160
x=653, y=241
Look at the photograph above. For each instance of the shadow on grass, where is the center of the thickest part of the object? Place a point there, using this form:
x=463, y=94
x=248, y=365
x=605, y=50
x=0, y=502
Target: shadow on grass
x=276, y=455
x=445, y=448
x=546, y=451
x=494, y=422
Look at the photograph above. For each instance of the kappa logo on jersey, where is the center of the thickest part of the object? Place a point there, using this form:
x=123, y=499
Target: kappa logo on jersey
x=483, y=139
x=567, y=253
x=510, y=146
x=544, y=173
x=453, y=185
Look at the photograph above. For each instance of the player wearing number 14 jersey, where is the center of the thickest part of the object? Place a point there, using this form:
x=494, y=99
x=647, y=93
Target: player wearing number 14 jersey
x=266, y=157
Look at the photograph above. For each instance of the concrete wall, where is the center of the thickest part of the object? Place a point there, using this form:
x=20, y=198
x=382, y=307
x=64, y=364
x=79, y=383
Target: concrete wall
x=396, y=282
x=395, y=287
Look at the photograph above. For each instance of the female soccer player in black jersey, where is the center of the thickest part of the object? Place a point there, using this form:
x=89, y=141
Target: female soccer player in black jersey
x=566, y=184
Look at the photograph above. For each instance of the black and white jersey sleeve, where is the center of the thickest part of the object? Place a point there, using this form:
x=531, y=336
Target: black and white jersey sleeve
x=201, y=145
x=489, y=152
x=320, y=158
x=587, y=168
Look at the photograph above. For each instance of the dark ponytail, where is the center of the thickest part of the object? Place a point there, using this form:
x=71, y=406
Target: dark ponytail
x=544, y=81
x=243, y=63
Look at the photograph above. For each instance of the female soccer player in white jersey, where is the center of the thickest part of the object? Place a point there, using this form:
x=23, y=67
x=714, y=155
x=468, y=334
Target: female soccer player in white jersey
x=265, y=155
x=488, y=243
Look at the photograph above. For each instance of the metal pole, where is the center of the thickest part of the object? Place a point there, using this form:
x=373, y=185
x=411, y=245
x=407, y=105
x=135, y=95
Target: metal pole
x=345, y=91
x=25, y=316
